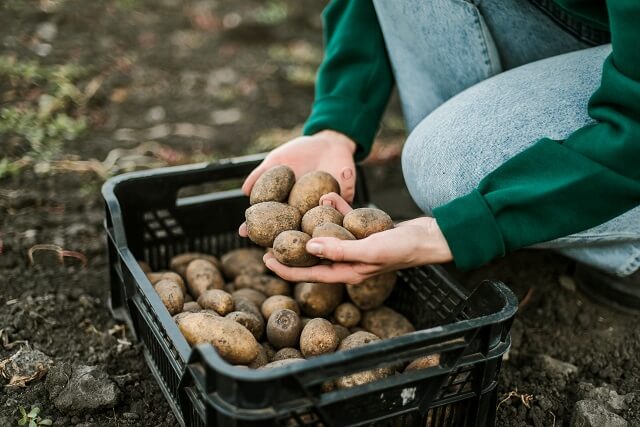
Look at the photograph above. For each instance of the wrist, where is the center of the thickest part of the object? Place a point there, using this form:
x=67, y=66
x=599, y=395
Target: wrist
x=338, y=138
x=435, y=247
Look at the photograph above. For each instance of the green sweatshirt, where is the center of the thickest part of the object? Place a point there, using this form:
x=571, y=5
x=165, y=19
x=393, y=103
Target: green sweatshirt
x=552, y=189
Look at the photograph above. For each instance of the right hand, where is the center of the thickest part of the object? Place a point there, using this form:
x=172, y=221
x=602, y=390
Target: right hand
x=328, y=151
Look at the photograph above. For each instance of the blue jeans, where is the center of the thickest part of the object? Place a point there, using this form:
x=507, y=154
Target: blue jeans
x=479, y=82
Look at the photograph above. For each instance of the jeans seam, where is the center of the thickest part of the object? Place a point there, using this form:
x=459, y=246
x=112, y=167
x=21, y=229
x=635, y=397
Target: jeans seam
x=482, y=37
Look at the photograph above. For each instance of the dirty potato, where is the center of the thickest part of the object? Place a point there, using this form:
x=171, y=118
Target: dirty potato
x=332, y=230
x=280, y=363
x=341, y=331
x=423, y=362
x=386, y=323
x=242, y=261
x=252, y=295
x=169, y=275
x=363, y=222
x=318, y=337
x=289, y=248
x=202, y=275
x=287, y=353
x=283, y=328
x=191, y=306
x=306, y=192
x=234, y=342
x=318, y=299
x=347, y=315
x=216, y=300
x=180, y=262
x=320, y=215
x=250, y=321
x=269, y=285
x=260, y=360
x=273, y=186
x=373, y=292
x=268, y=219
x=171, y=295
x=278, y=302
x=359, y=339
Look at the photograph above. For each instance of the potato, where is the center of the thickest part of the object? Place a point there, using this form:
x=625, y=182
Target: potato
x=287, y=353
x=246, y=305
x=347, y=315
x=280, y=363
x=260, y=360
x=289, y=248
x=144, y=266
x=252, y=295
x=229, y=288
x=234, y=342
x=180, y=262
x=341, y=331
x=305, y=320
x=268, y=219
x=306, y=192
x=268, y=348
x=386, y=323
x=332, y=230
x=191, y=307
x=278, y=302
x=328, y=386
x=242, y=261
x=169, y=275
x=283, y=328
x=216, y=300
x=277, y=286
x=320, y=215
x=318, y=299
x=318, y=337
x=202, y=275
x=264, y=283
x=273, y=186
x=359, y=378
x=254, y=324
x=423, y=362
x=373, y=292
x=171, y=295
x=363, y=222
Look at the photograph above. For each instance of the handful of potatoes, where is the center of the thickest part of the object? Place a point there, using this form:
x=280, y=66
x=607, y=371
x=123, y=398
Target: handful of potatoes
x=284, y=215
x=260, y=321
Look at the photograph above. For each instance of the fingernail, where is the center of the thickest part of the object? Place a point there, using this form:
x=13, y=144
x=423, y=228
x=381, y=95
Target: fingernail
x=314, y=248
x=327, y=202
x=347, y=173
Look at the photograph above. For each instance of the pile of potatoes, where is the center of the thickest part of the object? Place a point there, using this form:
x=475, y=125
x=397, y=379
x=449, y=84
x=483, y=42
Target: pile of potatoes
x=284, y=215
x=260, y=321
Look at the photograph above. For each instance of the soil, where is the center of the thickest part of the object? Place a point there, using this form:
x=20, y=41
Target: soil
x=194, y=59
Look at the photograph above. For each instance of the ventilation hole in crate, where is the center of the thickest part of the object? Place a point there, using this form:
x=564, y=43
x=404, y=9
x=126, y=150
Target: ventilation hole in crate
x=309, y=419
x=163, y=213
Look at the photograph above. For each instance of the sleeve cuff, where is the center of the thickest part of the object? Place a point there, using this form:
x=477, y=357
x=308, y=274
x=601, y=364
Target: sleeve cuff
x=471, y=230
x=346, y=116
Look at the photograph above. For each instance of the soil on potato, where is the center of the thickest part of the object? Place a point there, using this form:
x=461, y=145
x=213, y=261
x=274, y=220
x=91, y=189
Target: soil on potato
x=224, y=73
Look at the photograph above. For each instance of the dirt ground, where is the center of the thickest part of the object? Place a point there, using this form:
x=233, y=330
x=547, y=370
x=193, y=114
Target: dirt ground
x=178, y=81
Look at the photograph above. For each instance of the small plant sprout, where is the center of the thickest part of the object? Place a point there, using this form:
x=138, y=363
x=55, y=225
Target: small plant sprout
x=31, y=418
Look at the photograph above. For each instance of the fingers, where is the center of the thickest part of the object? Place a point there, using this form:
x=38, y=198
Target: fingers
x=242, y=231
x=341, y=250
x=248, y=183
x=347, y=184
x=335, y=201
x=332, y=273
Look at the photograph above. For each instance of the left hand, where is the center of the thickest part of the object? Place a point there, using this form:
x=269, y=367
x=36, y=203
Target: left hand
x=411, y=243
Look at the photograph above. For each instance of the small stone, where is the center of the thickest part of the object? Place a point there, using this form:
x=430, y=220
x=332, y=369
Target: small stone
x=226, y=117
x=81, y=388
x=155, y=114
x=557, y=367
x=567, y=282
x=47, y=31
x=606, y=396
x=42, y=49
x=589, y=413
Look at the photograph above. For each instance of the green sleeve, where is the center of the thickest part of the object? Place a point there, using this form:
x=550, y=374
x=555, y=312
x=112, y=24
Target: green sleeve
x=354, y=81
x=556, y=188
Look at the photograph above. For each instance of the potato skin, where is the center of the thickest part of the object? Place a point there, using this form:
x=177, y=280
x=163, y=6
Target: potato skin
x=191, y=307
x=318, y=337
x=180, y=262
x=269, y=285
x=217, y=300
x=386, y=323
x=287, y=353
x=242, y=261
x=260, y=360
x=252, y=295
x=169, y=275
x=273, y=186
x=278, y=302
x=254, y=324
x=363, y=222
x=268, y=219
x=283, y=329
x=234, y=342
x=202, y=275
x=359, y=339
x=280, y=363
x=332, y=230
x=306, y=192
x=289, y=248
x=423, y=362
x=347, y=315
x=341, y=331
x=320, y=215
x=373, y=292
x=318, y=299
x=171, y=295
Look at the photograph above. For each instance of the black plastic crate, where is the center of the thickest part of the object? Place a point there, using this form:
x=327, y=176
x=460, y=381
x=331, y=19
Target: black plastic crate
x=146, y=219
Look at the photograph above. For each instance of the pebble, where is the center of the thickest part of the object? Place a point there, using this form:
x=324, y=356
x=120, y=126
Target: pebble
x=47, y=31
x=589, y=413
x=80, y=388
x=606, y=396
x=567, y=282
x=557, y=367
x=42, y=49
x=226, y=117
x=155, y=114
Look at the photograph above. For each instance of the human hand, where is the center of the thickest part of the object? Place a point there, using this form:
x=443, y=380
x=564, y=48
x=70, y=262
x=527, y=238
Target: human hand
x=327, y=151
x=411, y=243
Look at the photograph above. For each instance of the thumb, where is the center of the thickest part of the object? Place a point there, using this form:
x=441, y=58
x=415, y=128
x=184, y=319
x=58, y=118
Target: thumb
x=337, y=250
